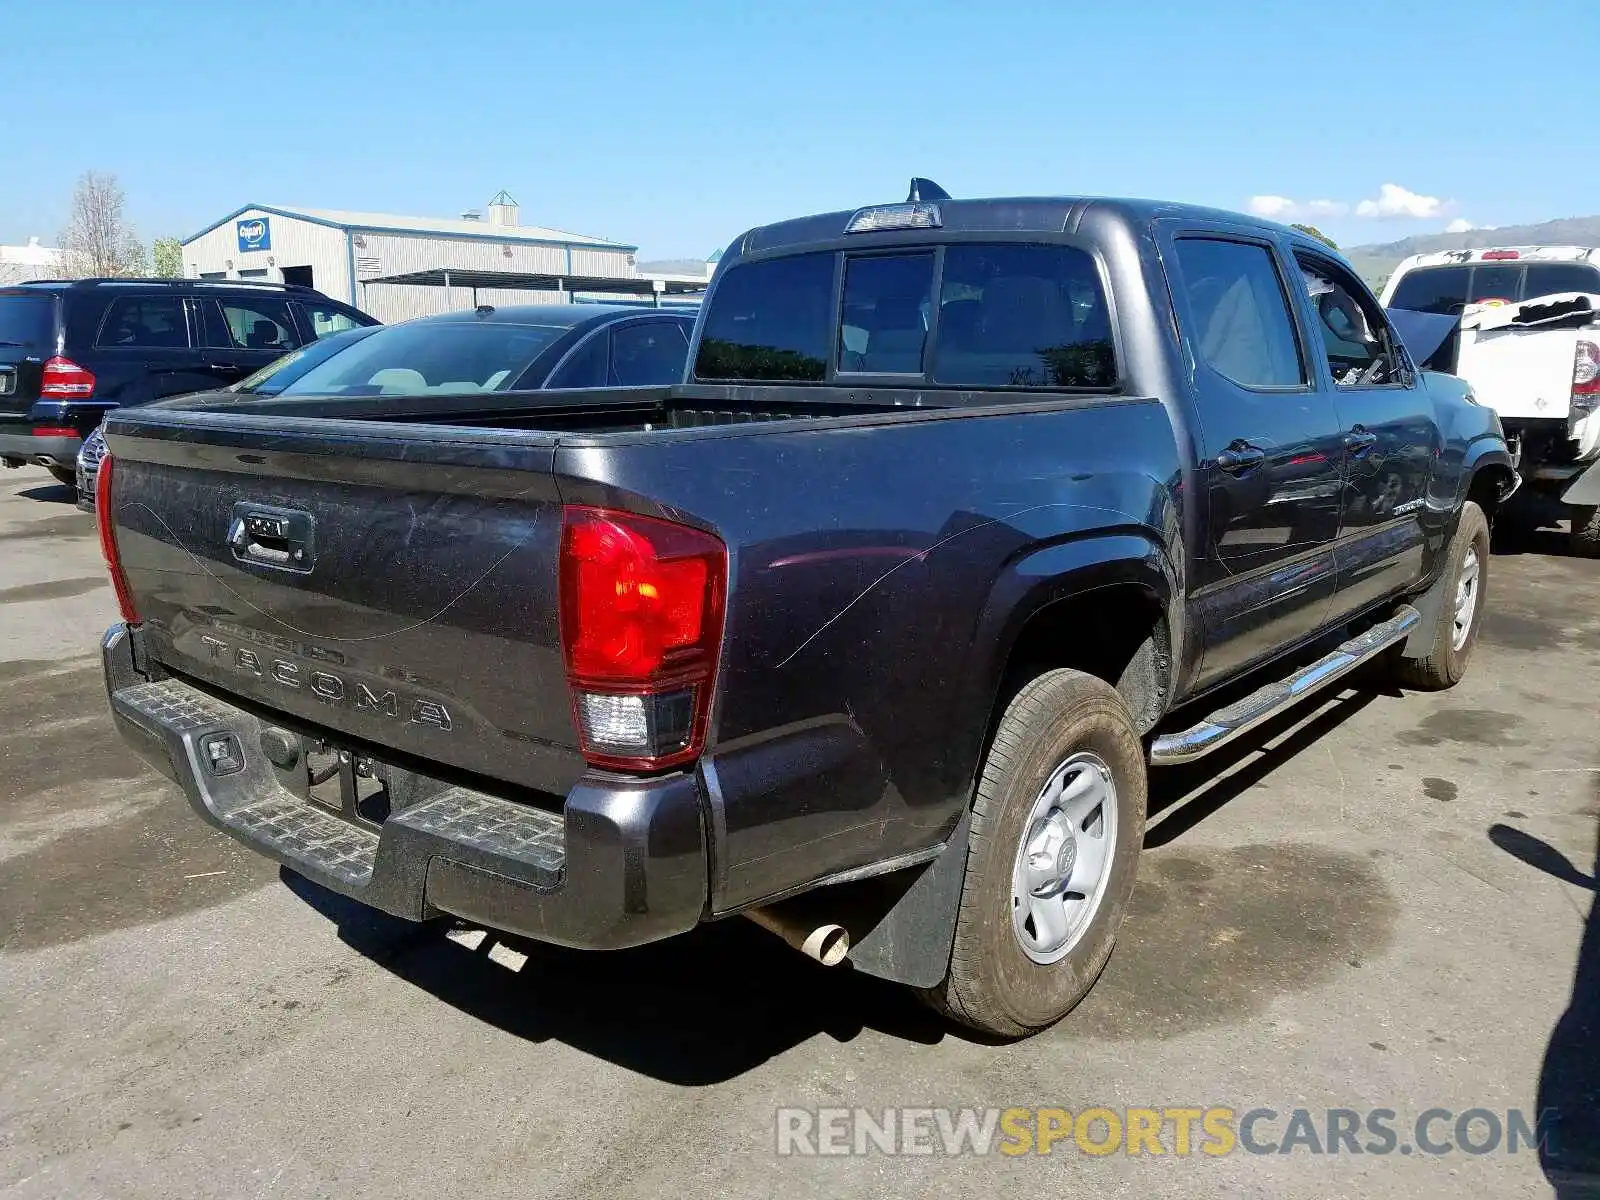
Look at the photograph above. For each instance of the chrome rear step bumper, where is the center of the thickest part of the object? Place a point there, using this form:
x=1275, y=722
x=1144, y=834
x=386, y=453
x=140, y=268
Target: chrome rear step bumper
x=1222, y=726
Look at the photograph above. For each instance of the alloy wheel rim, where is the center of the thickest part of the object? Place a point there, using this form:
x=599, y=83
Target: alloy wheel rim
x=1466, y=598
x=1064, y=858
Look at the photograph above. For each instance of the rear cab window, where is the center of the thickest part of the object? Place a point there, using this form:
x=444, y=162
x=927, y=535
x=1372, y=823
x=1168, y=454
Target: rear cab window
x=1447, y=290
x=974, y=315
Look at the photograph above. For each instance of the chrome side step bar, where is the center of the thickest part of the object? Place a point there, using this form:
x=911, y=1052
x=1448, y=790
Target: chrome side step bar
x=1222, y=726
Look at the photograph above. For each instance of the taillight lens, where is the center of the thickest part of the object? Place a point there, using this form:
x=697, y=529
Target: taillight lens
x=1586, y=378
x=108, y=542
x=642, y=605
x=64, y=379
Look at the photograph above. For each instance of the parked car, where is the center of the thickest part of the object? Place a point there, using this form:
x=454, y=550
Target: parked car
x=268, y=381
x=465, y=354
x=1529, y=344
x=967, y=513
x=70, y=351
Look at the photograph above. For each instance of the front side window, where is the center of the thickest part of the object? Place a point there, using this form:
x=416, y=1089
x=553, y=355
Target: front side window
x=887, y=302
x=1023, y=316
x=1357, y=342
x=770, y=322
x=145, y=322
x=1239, y=313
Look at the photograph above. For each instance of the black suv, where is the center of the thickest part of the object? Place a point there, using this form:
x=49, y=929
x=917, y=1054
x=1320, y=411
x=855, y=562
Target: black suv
x=70, y=350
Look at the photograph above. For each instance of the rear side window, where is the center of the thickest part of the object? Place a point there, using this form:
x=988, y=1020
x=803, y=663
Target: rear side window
x=1023, y=316
x=1441, y=290
x=1239, y=313
x=250, y=324
x=145, y=322
x=27, y=319
x=647, y=352
x=769, y=321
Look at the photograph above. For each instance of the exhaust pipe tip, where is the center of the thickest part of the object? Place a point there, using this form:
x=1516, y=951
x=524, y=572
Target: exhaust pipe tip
x=827, y=944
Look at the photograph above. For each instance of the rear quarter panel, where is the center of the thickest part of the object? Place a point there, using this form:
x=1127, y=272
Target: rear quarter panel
x=876, y=570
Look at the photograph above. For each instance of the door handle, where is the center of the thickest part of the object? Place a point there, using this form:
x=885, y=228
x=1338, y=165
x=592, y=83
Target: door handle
x=1360, y=439
x=1241, y=456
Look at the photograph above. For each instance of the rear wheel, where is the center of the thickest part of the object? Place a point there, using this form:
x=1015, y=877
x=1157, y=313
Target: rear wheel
x=1584, y=540
x=64, y=475
x=1459, y=617
x=1054, y=844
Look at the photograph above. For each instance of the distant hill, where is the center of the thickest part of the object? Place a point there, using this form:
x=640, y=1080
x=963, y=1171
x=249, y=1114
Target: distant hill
x=1376, y=263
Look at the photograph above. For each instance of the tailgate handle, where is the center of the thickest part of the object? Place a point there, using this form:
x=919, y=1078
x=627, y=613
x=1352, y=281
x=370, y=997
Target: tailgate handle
x=272, y=537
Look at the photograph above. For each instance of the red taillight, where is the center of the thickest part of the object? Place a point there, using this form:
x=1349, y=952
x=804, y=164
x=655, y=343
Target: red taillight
x=108, y=542
x=642, y=604
x=54, y=431
x=1500, y=255
x=64, y=379
x=1585, y=378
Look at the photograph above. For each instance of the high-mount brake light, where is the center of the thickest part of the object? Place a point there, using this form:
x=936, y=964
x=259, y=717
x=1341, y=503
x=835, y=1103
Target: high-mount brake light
x=895, y=216
x=642, y=605
x=1501, y=255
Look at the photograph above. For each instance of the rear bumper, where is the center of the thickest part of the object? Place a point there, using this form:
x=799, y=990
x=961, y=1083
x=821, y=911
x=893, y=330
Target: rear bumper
x=17, y=442
x=623, y=863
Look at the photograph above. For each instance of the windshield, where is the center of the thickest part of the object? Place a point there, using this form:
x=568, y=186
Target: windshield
x=1448, y=289
x=278, y=374
x=27, y=320
x=425, y=357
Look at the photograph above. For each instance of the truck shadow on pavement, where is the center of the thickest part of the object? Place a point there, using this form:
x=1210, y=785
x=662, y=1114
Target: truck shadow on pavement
x=700, y=1008
x=721, y=1000
x=1569, y=1080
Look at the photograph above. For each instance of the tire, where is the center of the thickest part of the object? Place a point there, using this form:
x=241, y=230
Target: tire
x=64, y=475
x=1584, y=540
x=1067, y=724
x=1448, y=650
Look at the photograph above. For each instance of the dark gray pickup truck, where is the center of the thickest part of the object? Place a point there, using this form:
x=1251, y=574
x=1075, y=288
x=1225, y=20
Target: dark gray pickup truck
x=968, y=512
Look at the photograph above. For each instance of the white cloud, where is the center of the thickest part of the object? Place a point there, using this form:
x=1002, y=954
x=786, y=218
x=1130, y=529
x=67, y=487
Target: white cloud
x=1395, y=201
x=1274, y=208
x=1460, y=225
x=1392, y=202
x=1281, y=208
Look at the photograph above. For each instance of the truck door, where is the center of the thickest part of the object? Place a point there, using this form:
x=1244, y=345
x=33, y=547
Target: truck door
x=1271, y=467
x=1390, y=437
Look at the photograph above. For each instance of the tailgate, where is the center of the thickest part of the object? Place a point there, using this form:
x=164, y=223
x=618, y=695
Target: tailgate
x=389, y=584
x=1519, y=372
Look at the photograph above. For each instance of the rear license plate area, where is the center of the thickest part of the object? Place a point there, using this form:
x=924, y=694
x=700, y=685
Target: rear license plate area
x=342, y=780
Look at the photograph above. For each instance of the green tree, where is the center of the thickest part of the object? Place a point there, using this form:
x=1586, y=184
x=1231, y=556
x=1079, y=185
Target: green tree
x=167, y=254
x=1313, y=231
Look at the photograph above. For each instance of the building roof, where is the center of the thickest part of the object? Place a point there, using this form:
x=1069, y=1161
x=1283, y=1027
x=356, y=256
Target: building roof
x=372, y=222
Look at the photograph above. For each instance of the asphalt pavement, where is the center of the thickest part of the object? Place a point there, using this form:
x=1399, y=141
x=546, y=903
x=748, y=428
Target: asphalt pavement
x=1379, y=902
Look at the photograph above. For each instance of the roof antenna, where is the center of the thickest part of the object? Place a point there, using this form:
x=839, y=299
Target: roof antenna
x=925, y=189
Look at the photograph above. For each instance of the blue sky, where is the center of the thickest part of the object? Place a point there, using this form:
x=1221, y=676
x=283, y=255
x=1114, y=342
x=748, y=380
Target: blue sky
x=676, y=124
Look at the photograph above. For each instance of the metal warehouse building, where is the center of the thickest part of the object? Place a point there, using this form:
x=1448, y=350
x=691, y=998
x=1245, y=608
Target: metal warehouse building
x=397, y=267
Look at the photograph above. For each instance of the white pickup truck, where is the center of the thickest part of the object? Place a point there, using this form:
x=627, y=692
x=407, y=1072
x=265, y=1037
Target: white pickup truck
x=1529, y=344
